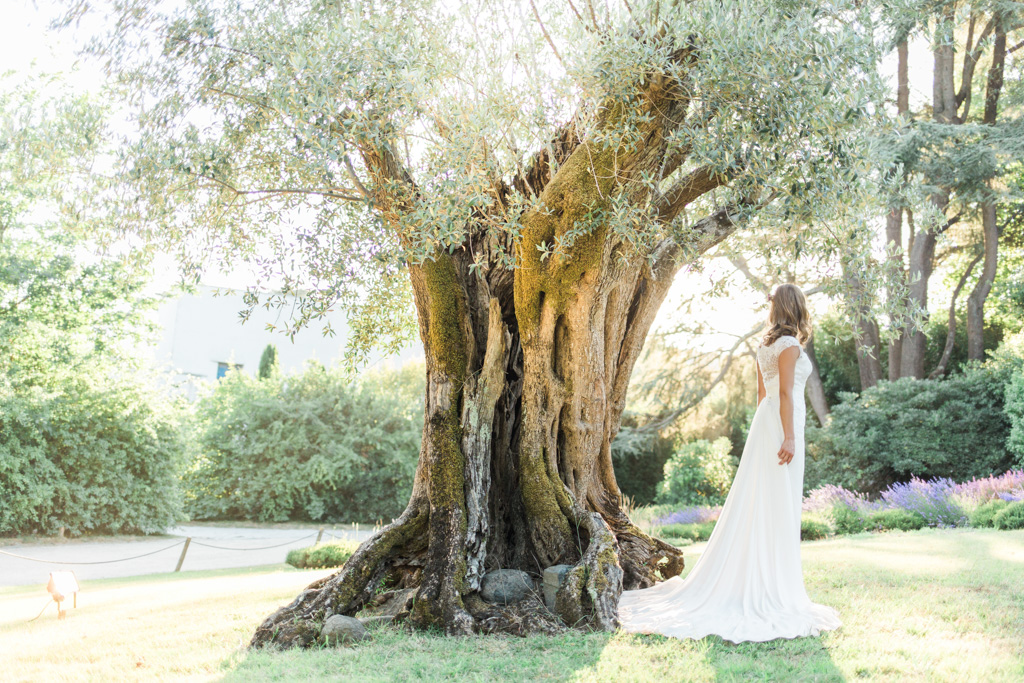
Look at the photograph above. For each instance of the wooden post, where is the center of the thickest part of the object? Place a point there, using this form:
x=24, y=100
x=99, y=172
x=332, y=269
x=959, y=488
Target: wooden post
x=319, y=536
x=184, y=550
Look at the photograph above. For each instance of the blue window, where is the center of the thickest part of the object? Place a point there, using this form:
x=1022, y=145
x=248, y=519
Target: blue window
x=222, y=368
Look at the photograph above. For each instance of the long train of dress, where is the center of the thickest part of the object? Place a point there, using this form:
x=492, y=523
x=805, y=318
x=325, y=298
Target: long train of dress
x=748, y=584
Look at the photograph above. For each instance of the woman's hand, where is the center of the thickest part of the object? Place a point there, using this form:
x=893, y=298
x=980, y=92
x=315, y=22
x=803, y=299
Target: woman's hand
x=787, y=451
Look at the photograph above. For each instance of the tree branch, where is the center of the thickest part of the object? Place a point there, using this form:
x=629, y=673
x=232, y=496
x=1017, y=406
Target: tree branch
x=696, y=183
x=971, y=57
x=947, y=351
x=671, y=416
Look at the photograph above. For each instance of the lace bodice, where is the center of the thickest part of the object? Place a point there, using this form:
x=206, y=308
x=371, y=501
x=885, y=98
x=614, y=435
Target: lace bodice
x=768, y=361
x=768, y=356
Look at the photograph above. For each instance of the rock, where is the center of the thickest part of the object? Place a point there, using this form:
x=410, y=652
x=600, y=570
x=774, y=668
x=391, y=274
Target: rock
x=505, y=586
x=554, y=577
x=340, y=630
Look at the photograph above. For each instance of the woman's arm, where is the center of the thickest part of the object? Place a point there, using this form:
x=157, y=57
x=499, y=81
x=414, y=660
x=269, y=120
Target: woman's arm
x=761, y=393
x=787, y=366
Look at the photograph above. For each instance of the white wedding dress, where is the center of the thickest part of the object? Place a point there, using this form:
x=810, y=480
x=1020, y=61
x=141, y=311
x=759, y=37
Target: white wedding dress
x=748, y=584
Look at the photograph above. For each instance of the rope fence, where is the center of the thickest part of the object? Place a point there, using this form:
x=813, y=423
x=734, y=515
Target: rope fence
x=123, y=559
x=186, y=543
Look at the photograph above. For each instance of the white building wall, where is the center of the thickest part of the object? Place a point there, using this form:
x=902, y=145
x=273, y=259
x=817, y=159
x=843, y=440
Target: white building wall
x=201, y=330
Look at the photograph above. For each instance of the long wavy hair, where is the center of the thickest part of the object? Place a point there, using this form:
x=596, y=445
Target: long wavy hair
x=787, y=315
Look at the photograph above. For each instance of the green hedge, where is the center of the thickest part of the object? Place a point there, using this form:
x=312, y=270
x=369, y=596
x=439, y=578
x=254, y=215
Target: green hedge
x=1010, y=517
x=1014, y=406
x=95, y=454
x=324, y=555
x=698, y=473
x=811, y=530
x=983, y=515
x=309, y=446
x=953, y=427
x=896, y=519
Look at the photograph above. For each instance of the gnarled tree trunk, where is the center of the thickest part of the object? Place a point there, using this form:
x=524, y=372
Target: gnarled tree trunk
x=527, y=372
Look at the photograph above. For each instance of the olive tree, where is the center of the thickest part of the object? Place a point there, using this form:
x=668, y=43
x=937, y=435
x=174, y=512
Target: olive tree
x=535, y=174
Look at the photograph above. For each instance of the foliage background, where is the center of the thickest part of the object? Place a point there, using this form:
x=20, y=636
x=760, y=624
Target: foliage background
x=311, y=446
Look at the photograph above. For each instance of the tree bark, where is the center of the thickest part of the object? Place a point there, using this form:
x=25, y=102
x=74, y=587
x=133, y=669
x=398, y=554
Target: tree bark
x=912, y=347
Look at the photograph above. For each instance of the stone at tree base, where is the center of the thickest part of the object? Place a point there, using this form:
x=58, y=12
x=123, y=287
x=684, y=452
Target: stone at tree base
x=505, y=586
x=554, y=577
x=340, y=630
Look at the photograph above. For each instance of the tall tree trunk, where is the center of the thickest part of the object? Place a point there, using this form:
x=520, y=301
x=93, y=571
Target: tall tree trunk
x=922, y=256
x=865, y=328
x=947, y=351
x=894, y=220
x=976, y=300
x=815, y=389
x=894, y=238
x=922, y=249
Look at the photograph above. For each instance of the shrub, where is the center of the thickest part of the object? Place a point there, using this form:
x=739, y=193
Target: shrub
x=811, y=530
x=693, y=532
x=639, y=461
x=309, y=446
x=895, y=519
x=983, y=515
x=1010, y=517
x=698, y=473
x=847, y=520
x=321, y=556
x=99, y=453
x=952, y=428
x=1014, y=406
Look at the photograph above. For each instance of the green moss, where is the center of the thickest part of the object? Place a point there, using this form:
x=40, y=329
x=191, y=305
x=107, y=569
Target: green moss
x=446, y=315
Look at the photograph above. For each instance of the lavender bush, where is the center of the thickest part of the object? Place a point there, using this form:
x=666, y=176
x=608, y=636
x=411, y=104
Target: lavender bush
x=935, y=500
x=978, y=491
x=695, y=514
x=824, y=498
x=940, y=501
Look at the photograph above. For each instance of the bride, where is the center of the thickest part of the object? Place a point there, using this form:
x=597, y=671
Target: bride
x=748, y=584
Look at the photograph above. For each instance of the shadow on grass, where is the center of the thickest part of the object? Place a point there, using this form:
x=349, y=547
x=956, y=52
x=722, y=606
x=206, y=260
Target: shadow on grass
x=394, y=654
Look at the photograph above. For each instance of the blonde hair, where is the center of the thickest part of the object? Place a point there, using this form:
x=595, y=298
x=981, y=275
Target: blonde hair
x=787, y=315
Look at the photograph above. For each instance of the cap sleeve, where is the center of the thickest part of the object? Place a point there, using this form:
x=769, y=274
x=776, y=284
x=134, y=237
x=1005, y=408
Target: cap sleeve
x=784, y=342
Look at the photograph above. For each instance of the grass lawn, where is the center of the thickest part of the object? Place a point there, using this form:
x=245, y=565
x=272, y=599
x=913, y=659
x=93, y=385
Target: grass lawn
x=945, y=605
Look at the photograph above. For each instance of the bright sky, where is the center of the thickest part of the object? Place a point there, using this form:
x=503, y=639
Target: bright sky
x=26, y=45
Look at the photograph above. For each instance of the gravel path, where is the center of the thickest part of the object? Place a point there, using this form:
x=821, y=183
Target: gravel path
x=212, y=547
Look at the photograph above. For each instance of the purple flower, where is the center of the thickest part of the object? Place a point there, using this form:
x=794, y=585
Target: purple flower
x=692, y=515
x=978, y=491
x=935, y=500
x=1012, y=497
x=828, y=496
